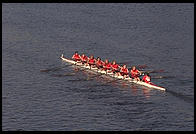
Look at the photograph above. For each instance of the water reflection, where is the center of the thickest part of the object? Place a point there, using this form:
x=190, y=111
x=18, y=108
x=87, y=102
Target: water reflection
x=124, y=85
x=146, y=92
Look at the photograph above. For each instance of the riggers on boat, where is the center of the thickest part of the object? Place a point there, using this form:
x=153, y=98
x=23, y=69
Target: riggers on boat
x=96, y=70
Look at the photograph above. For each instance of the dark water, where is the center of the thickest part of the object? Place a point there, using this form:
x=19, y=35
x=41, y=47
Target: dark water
x=35, y=35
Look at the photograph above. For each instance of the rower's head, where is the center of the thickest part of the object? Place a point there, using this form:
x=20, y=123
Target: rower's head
x=106, y=61
x=91, y=57
x=133, y=67
x=76, y=52
x=83, y=55
x=98, y=58
x=114, y=62
x=146, y=73
x=124, y=66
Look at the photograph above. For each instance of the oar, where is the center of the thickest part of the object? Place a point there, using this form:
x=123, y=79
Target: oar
x=84, y=69
x=63, y=75
x=78, y=80
x=153, y=71
x=142, y=66
x=96, y=76
x=100, y=74
x=113, y=81
x=105, y=84
x=181, y=96
x=139, y=66
x=47, y=70
x=88, y=69
x=162, y=77
x=92, y=76
x=54, y=69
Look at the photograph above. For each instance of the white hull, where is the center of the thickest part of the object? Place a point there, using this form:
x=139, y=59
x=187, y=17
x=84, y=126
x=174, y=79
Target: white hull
x=112, y=75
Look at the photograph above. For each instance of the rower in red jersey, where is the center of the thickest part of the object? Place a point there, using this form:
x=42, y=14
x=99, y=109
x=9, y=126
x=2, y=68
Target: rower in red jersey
x=106, y=65
x=124, y=71
x=135, y=73
x=84, y=59
x=91, y=60
x=76, y=56
x=146, y=78
x=115, y=67
x=99, y=63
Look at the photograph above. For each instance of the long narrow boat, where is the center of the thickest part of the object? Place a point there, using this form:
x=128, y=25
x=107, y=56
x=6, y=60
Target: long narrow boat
x=96, y=70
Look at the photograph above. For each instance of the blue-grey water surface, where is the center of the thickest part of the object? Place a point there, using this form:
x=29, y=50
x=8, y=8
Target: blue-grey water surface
x=34, y=36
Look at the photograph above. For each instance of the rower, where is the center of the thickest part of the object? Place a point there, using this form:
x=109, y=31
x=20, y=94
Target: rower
x=115, y=67
x=106, y=65
x=135, y=73
x=99, y=63
x=84, y=59
x=91, y=61
x=76, y=56
x=146, y=78
x=124, y=71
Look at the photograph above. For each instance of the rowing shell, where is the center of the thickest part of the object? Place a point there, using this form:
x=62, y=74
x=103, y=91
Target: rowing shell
x=95, y=69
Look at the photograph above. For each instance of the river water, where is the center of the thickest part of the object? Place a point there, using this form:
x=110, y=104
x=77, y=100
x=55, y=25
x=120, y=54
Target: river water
x=34, y=36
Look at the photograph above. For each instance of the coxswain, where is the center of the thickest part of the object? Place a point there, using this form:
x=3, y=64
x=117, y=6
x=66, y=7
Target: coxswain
x=84, y=59
x=146, y=78
x=76, y=56
x=99, y=63
x=124, y=71
x=106, y=65
x=115, y=67
x=91, y=61
x=135, y=73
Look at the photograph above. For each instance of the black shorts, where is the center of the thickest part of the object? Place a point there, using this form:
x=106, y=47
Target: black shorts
x=83, y=62
x=115, y=71
x=99, y=67
x=134, y=77
x=91, y=64
x=123, y=73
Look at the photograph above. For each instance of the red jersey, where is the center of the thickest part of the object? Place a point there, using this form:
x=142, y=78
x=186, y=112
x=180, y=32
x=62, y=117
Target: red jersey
x=99, y=63
x=107, y=66
x=146, y=79
x=84, y=58
x=115, y=67
x=91, y=61
x=124, y=71
x=134, y=73
x=76, y=57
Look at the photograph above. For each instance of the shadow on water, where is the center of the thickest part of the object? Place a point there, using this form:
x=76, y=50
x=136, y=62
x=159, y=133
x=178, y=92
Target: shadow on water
x=54, y=69
x=63, y=75
x=181, y=96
